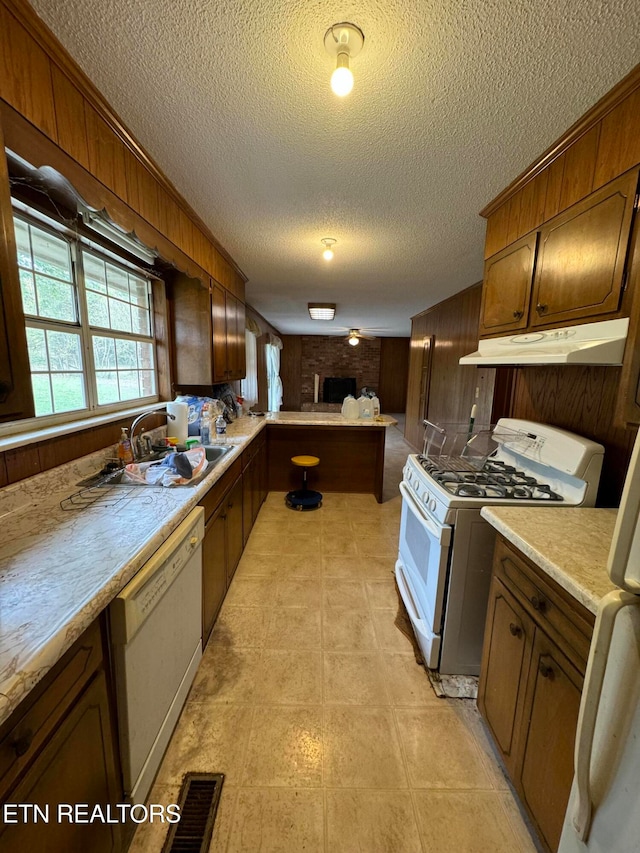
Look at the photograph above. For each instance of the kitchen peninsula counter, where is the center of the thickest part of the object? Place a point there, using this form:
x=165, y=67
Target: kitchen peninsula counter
x=59, y=569
x=351, y=452
x=570, y=545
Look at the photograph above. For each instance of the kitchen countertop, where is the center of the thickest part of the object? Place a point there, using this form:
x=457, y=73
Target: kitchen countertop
x=59, y=569
x=570, y=545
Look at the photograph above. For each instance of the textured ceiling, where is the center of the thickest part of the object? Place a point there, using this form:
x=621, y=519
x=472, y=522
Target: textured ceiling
x=451, y=101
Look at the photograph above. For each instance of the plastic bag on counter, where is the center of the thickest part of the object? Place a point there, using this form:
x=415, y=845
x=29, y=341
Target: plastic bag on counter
x=176, y=469
x=195, y=405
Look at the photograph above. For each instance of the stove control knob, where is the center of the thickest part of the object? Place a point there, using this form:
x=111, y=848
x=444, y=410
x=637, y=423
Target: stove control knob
x=432, y=504
x=416, y=486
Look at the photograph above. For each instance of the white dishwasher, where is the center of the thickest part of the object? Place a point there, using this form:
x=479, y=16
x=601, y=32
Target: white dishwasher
x=156, y=637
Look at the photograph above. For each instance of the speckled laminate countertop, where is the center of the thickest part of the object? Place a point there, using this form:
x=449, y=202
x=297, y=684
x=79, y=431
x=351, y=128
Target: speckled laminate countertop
x=59, y=569
x=570, y=545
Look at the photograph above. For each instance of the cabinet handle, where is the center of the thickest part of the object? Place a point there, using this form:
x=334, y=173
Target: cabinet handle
x=230, y=505
x=516, y=630
x=22, y=744
x=517, y=315
x=223, y=515
x=538, y=604
x=545, y=670
x=541, y=307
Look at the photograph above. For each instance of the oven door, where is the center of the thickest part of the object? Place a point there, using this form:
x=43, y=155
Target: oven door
x=421, y=572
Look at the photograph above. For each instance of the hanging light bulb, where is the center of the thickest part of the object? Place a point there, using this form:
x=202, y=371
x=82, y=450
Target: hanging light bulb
x=354, y=341
x=344, y=41
x=328, y=243
x=342, y=77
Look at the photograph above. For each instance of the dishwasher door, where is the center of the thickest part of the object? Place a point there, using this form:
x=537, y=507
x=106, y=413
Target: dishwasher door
x=156, y=635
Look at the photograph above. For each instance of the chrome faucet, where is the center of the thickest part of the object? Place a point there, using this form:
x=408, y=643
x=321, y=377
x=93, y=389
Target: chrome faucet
x=135, y=443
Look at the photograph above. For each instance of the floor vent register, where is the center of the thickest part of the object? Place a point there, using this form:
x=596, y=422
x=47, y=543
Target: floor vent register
x=199, y=798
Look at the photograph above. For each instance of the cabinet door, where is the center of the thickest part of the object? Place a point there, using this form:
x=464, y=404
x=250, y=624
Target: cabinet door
x=582, y=254
x=550, y=718
x=507, y=650
x=76, y=766
x=219, y=344
x=236, y=356
x=214, y=569
x=507, y=288
x=263, y=469
x=241, y=350
x=247, y=499
x=235, y=541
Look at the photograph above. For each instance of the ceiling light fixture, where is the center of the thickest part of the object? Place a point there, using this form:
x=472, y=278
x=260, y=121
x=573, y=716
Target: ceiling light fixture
x=344, y=41
x=354, y=338
x=328, y=243
x=322, y=310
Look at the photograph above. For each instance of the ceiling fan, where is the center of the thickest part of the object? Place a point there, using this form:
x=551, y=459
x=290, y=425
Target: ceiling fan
x=355, y=336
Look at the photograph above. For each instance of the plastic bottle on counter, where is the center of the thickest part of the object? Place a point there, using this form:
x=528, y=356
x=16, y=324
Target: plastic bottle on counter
x=205, y=425
x=221, y=430
x=350, y=408
x=375, y=403
x=125, y=451
x=366, y=407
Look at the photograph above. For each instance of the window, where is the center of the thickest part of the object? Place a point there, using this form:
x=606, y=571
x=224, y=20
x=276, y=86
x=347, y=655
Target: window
x=89, y=324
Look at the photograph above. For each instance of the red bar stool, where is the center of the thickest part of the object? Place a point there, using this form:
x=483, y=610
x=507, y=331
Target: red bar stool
x=304, y=498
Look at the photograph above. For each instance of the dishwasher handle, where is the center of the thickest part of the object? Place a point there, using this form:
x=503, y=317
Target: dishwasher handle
x=140, y=596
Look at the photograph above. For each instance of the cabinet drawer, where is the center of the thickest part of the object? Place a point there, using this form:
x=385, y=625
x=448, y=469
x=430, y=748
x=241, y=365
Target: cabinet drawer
x=25, y=731
x=561, y=616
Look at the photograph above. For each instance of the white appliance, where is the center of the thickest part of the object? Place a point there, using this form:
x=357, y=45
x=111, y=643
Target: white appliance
x=156, y=636
x=588, y=343
x=445, y=549
x=603, y=815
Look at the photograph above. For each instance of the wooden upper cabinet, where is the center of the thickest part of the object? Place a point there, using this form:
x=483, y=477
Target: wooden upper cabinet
x=534, y=195
x=581, y=256
x=507, y=288
x=219, y=326
x=191, y=319
x=25, y=75
x=236, y=350
x=497, y=230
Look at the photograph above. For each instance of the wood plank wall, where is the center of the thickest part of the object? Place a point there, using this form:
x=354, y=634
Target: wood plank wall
x=452, y=327
x=581, y=400
x=394, y=373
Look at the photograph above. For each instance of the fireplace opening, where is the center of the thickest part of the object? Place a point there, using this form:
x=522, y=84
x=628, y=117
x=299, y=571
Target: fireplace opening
x=336, y=388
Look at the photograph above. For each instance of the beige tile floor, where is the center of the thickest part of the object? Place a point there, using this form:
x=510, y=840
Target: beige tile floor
x=310, y=702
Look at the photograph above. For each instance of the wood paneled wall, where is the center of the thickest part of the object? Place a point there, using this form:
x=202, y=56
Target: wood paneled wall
x=440, y=389
x=394, y=373
x=291, y=372
x=43, y=84
x=581, y=400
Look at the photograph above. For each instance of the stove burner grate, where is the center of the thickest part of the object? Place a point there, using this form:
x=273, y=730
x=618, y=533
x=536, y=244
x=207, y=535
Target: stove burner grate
x=494, y=480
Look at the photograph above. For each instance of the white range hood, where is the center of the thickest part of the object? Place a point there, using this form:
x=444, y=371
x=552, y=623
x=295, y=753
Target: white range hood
x=590, y=343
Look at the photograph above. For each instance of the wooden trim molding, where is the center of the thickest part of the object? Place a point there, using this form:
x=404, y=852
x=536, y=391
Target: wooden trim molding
x=439, y=305
x=584, y=124
x=25, y=13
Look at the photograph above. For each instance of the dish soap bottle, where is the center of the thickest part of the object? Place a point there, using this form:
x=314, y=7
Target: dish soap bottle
x=125, y=452
x=221, y=429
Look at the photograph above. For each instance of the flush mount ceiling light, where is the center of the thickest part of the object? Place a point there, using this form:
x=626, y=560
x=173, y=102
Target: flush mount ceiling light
x=344, y=41
x=328, y=243
x=322, y=310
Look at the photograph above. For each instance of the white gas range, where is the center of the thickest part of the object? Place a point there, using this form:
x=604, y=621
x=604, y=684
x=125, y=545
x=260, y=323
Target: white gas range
x=445, y=550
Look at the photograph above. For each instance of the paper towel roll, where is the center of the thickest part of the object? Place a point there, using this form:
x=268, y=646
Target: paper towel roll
x=180, y=426
x=316, y=387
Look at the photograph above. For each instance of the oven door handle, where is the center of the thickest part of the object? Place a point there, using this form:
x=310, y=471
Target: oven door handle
x=442, y=533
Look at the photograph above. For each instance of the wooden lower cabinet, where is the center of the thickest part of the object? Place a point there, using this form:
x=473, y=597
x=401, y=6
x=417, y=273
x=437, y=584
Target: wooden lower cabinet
x=61, y=749
x=551, y=706
x=534, y=659
x=214, y=569
x=225, y=507
x=254, y=480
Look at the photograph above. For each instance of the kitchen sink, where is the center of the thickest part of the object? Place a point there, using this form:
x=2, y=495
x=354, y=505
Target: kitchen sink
x=106, y=478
